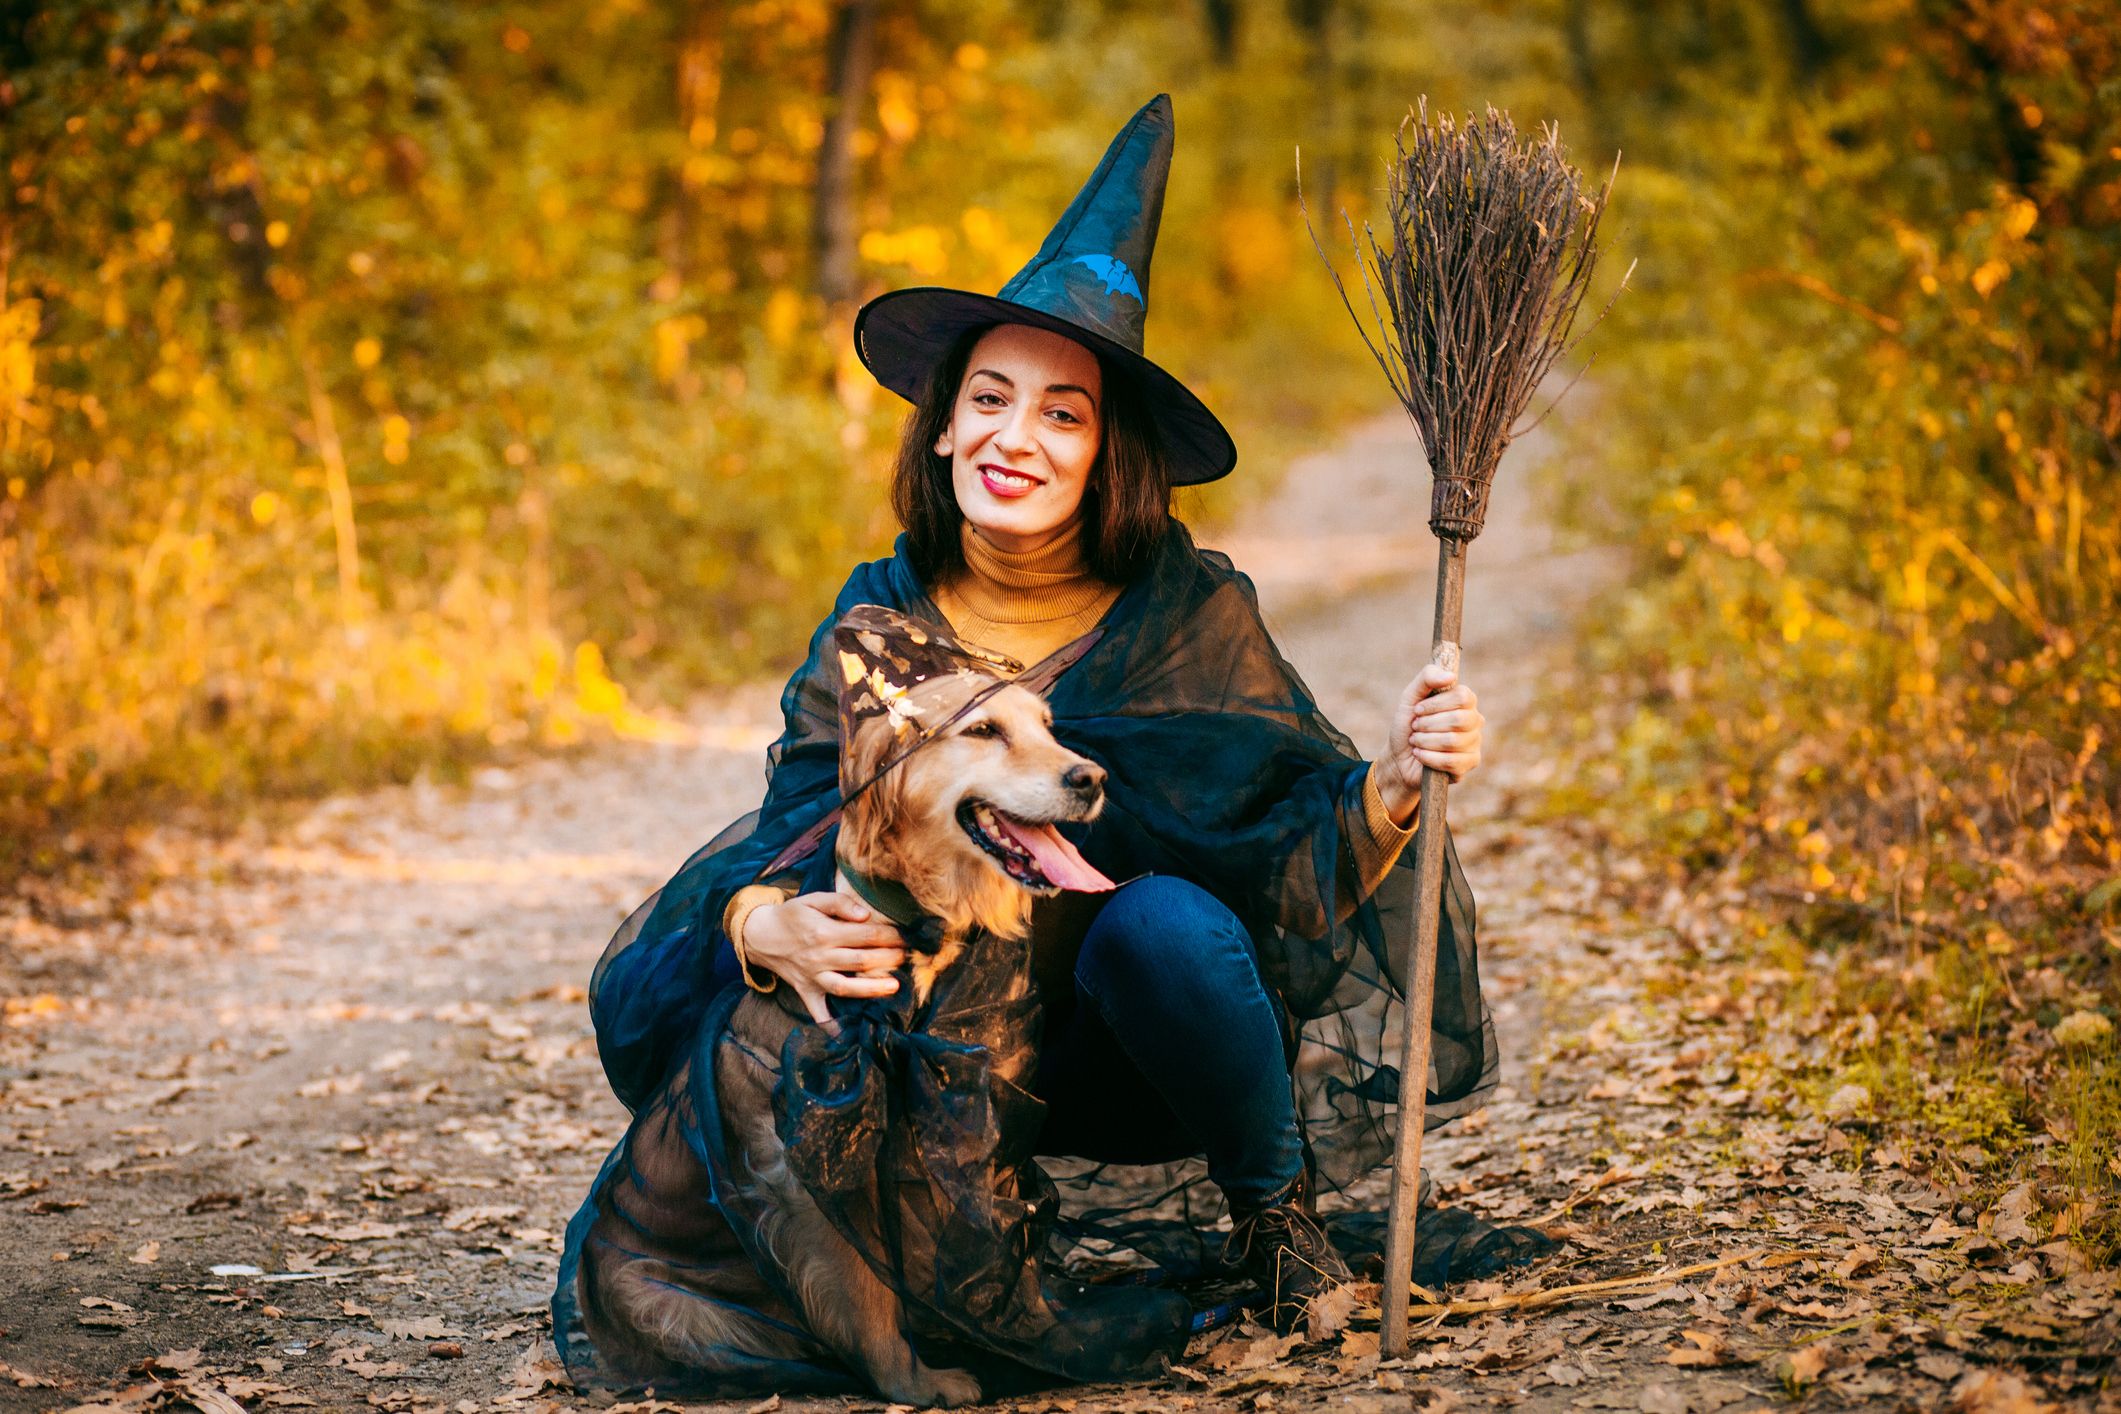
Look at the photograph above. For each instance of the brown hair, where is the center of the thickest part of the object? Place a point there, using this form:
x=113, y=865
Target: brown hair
x=1126, y=506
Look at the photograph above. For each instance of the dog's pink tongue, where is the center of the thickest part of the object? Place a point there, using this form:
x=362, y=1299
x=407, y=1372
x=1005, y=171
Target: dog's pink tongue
x=1057, y=859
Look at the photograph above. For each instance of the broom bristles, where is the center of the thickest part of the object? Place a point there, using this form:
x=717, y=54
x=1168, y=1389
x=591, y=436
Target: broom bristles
x=1491, y=249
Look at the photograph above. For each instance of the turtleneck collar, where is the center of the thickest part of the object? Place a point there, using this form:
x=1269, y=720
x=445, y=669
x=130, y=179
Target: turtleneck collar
x=1027, y=586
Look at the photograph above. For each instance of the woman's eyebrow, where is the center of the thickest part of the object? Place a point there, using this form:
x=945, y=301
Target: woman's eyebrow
x=1007, y=381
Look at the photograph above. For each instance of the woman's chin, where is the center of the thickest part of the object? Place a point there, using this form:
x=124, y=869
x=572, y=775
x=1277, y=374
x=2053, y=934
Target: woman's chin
x=1032, y=515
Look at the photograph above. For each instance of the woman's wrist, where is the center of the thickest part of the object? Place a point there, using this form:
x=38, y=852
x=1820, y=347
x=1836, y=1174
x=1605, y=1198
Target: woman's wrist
x=745, y=911
x=1401, y=803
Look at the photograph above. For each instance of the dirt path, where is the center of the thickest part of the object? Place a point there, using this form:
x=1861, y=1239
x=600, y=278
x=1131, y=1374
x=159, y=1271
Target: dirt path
x=350, y=1065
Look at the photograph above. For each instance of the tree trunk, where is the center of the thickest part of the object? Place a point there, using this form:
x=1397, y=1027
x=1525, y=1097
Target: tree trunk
x=1315, y=19
x=1808, y=46
x=1577, y=27
x=684, y=232
x=850, y=60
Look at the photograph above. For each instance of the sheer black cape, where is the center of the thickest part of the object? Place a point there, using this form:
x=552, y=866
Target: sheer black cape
x=1221, y=769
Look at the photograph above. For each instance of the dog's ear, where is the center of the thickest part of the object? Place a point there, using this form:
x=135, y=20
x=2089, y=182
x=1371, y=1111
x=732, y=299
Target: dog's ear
x=872, y=818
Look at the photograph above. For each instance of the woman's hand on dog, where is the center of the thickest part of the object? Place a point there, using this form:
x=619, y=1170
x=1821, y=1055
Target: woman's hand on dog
x=1437, y=723
x=826, y=944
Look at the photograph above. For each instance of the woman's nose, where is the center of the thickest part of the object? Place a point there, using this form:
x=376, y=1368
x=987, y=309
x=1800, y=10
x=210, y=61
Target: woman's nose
x=1016, y=431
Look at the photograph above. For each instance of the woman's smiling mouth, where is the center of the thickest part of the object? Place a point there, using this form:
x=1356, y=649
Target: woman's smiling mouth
x=1001, y=481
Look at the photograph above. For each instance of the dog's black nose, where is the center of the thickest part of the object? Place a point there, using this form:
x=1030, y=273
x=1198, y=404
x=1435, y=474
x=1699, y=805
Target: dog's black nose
x=1084, y=778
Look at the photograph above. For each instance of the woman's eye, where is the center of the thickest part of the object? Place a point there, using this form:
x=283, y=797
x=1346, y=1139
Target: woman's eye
x=1063, y=412
x=987, y=400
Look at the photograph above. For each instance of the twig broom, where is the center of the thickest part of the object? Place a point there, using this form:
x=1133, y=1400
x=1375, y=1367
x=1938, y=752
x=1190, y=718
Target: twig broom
x=1492, y=247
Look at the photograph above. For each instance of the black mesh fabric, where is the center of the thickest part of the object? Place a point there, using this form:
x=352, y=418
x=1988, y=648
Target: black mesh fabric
x=1221, y=770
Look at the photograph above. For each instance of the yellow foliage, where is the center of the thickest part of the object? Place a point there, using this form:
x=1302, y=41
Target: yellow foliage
x=1256, y=245
x=984, y=231
x=896, y=111
x=784, y=317
x=923, y=249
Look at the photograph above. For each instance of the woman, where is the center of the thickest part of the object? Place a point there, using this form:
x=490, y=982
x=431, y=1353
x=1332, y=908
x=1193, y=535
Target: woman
x=1267, y=884
x=1163, y=1043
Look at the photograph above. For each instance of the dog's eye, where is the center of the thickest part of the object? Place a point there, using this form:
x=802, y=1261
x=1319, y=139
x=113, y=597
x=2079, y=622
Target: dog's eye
x=983, y=729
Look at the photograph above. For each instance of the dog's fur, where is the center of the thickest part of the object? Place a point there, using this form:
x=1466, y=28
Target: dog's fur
x=905, y=828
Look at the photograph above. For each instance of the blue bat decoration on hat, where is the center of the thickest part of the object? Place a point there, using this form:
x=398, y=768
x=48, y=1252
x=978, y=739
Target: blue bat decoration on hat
x=1119, y=280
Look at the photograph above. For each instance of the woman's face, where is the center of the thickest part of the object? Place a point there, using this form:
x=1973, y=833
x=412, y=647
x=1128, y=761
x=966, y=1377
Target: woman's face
x=1023, y=434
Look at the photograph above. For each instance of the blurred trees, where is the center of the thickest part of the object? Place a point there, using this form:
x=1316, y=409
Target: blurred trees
x=382, y=382
x=1858, y=420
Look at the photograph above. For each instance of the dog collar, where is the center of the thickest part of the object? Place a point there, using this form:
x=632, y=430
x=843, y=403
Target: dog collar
x=924, y=931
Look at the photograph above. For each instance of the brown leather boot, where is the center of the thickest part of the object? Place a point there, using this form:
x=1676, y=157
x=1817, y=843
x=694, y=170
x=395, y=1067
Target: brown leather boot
x=1282, y=1247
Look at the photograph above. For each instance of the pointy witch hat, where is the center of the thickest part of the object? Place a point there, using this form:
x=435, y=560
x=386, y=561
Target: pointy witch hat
x=1089, y=281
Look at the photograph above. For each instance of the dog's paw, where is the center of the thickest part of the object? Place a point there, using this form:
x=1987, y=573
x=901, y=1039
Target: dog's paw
x=938, y=1389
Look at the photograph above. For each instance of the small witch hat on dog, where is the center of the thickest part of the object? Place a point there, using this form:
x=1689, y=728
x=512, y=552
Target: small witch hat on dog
x=883, y=654
x=1089, y=281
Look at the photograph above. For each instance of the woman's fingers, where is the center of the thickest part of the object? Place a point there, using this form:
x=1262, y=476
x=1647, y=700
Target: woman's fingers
x=864, y=935
x=1454, y=764
x=1449, y=699
x=861, y=959
x=861, y=985
x=814, y=1003
x=1461, y=719
x=839, y=905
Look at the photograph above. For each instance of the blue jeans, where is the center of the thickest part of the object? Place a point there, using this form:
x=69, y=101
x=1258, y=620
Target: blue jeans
x=1170, y=1047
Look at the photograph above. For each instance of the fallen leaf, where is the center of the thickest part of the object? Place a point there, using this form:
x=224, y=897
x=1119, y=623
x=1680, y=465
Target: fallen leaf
x=1861, y=1262
x=1995, y=1392
x=466, y=1219
x=1327, y=1312
x=174, y=1362
x=1655, y=1298
x=1707, y=1350
x=1661, y=1399
x=1359, y=1345
x=209, y=1398
x=365, y=1231
x=2014, y=1215
x=146, y=1254
x=244, y=1387
x=1804, y=1365
x=418, y=1328
x=23, y=1379
x=1242, y=1353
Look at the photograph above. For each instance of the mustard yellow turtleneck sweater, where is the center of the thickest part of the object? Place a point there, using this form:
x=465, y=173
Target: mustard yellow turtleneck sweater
x=1026, y=603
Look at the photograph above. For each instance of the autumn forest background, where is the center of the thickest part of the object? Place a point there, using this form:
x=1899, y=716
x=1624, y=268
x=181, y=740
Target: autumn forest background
x=387, y=386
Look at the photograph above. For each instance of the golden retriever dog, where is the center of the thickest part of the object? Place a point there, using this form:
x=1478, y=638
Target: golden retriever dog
x=965, y=824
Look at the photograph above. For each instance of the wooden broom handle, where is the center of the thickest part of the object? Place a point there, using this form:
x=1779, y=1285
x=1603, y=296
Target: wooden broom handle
x=1420, y=983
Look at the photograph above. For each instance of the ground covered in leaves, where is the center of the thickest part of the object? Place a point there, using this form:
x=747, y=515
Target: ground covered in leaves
x=298, y=1122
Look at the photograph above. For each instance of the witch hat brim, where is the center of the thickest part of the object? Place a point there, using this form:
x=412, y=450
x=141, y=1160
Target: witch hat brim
x=1088, y=282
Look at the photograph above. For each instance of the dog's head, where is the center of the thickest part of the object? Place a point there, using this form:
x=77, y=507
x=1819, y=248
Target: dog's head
x=966, y=820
